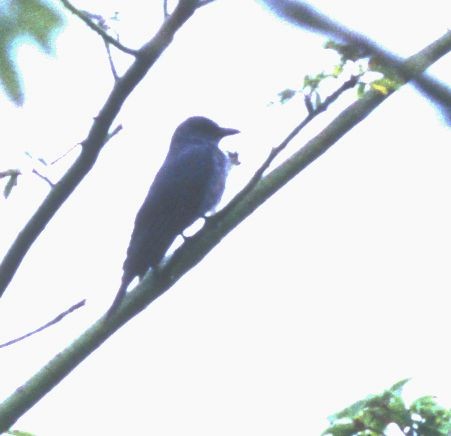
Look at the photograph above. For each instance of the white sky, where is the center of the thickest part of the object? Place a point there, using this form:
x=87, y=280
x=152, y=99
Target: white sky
x=336, y=288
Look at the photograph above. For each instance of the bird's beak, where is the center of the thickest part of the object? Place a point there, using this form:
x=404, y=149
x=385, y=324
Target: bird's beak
x=227, y=132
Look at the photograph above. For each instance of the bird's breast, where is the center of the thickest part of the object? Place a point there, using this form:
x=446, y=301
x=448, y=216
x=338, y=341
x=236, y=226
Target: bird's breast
x=216, y=184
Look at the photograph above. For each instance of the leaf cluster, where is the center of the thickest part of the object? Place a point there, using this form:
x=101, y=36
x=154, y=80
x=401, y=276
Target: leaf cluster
x=372, y=416
x=356, y=58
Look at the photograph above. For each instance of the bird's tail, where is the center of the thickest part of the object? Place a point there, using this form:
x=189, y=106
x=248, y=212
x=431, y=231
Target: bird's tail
x=119, y=298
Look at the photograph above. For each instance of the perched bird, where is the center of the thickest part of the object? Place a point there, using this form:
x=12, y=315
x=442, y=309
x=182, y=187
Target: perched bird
x=189, y=184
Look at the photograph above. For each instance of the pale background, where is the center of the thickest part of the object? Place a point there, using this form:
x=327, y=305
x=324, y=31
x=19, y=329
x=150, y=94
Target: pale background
x=335, y=289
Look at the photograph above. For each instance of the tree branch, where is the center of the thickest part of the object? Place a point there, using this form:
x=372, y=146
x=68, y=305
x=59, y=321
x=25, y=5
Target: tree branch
x=313, y=113
x=95, y=140
x=204, y=2
x=165, y=9
x=9, y=173
x=110, y=61
x=106, y=37
x=306, y=16
x=54, y=321
x=45, y=178
x=191, y=252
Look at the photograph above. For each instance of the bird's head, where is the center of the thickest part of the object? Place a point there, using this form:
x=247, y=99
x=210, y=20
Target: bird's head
x=199, y=129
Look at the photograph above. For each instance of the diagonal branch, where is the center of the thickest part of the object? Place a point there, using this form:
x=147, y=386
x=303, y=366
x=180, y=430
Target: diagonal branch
x=95, y=140
x=45, y=178
x=106, y=37
x=191, y=252
x=54, y=321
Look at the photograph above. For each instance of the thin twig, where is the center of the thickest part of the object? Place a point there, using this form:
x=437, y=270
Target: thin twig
x=65, y=154
x=110, y=60
x=165, y=9
x=98, y=29
x=204, y=2
x=115, y=131
x=9, y=173
x=41, y=176
x=312, y=113
x=49, y=324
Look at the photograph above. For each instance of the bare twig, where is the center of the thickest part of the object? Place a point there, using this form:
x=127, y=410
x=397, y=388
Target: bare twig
x=49, y=324
x=13, y=176
x=115, y=131
x=41, y=176
x=64, y=154
x=165, y=9
x=312, y=113
x=204, y=2
x=9, y=173
x=110, y=60
x=106, y=37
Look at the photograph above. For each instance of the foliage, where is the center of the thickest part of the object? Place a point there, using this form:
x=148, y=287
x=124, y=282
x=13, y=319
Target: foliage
x=372, y=416
x=22, y=20
x=19, y=433
x=353, y=58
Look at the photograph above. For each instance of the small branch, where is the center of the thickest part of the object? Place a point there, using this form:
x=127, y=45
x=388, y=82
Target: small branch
x=165, y=9
x=110, y=60
x=99, y=30
x=41, y=176
x=312, y=113
x=308, y=104
x=204, y=2
x=13, y=176
x=9, y=173
x=65, y=154
x=49, y=324
x=115, y=131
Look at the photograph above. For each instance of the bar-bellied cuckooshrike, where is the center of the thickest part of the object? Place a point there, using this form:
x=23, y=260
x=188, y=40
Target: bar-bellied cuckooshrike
x=189, y=184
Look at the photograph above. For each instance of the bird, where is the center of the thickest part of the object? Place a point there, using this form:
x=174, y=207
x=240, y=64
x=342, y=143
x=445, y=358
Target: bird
x=189, y=184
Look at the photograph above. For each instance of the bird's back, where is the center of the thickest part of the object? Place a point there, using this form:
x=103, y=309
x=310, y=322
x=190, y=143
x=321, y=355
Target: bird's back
x=188, y=184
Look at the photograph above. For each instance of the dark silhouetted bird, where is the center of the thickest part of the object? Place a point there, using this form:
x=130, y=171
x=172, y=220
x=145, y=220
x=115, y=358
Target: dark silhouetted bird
x=188, y=185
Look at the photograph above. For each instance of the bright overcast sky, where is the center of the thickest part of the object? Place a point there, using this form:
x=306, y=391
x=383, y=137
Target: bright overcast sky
x=336, y=288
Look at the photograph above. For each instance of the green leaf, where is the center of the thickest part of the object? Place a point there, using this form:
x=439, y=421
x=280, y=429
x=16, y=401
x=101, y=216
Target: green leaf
x=337, y=70
x=286, y=94
x=386, y=85
x=372, y=415
x=350, y=411
x=21, y=20
x=432, y=416
x=340, y=429
x=9, y=76
x=37, y=20
x=397, y=387
x=19, y=433
x=347, y=52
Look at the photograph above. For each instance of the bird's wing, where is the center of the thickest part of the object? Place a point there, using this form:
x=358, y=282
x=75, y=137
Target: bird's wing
x=172, y=204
